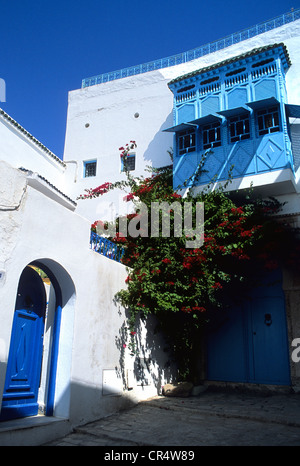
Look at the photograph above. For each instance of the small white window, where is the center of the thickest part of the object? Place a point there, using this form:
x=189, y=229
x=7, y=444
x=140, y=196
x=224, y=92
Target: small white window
x=128, y=163
x=90, y=168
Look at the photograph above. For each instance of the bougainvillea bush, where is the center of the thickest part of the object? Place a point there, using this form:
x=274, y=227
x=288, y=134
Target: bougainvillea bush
x=185, y=287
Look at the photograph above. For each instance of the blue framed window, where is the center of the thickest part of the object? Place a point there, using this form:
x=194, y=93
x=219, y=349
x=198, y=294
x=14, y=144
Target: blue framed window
x=268, y=121
x=128, y=163
x=90, y=168
x=239, y=128
x=211, y=135
x=186, y=141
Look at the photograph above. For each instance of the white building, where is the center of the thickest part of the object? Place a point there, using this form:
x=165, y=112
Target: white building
x=86, y=371
x=102, y=117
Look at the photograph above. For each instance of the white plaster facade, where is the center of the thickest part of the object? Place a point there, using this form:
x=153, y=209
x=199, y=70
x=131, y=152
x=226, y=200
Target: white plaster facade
x=40, y=222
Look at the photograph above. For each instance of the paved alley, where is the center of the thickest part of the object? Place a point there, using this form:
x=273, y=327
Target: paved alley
x=210, y=419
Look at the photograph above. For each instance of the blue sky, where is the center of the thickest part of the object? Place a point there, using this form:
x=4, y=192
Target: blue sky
x=48, y=47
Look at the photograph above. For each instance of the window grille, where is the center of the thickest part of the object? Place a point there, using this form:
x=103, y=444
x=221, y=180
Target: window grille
x=128, y=163
x=90, y=169
x=187, y=141
x=211, y=135
x=268, y=121
x=239, y=128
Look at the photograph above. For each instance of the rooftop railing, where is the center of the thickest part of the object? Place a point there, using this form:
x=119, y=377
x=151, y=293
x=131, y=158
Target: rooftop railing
x=197, y=52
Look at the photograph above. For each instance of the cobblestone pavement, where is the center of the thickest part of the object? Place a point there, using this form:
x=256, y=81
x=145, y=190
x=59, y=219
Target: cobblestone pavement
x=210, y=419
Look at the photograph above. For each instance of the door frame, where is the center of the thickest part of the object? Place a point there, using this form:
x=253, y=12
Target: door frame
x=55, y=337
x=54, y=349
x=20, y=397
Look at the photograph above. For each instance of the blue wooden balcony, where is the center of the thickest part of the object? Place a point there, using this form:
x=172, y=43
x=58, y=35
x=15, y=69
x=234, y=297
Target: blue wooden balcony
x=236, y=113
x=243, y=158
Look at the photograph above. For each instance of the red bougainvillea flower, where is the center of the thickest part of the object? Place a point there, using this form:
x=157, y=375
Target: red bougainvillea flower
x=166, y=261
x=119, y=238
x=128, y=197
x=100, y=224
x=199, y=308
x=217, y=286
x=125, y=150
x=186, y=309
x=237, y=210
x=102, y=189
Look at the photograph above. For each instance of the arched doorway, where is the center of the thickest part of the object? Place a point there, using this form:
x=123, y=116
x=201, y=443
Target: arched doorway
x=26, y=348
x=36, y=323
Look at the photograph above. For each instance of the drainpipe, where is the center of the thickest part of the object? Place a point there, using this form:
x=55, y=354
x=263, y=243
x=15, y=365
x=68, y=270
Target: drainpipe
x=73, y=161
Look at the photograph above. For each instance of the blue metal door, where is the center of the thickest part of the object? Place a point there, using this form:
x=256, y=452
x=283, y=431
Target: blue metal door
x=26, y=348
x=250, y=342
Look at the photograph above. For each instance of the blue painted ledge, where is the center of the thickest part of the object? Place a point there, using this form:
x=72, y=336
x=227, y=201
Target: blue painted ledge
x=106, y=247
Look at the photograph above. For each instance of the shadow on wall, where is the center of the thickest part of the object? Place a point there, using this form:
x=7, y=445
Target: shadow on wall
x=89, y=403
x=156, y=154
x=151, y=364
x=120, y=342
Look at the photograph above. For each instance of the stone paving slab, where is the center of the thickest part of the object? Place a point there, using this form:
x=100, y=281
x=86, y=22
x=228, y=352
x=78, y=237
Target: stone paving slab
x=211, y=419
x=281, y=408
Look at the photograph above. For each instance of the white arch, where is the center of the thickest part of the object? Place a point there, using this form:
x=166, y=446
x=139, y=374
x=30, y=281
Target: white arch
x=56, y=375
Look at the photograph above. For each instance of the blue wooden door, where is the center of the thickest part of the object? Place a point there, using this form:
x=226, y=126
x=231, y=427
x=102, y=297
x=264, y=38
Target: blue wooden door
x=226, y=354
x=26, y=348
x=249, y=344
x=268, y=348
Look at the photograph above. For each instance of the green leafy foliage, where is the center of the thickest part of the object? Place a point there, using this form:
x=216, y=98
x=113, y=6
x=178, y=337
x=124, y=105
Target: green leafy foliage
x=184, y=287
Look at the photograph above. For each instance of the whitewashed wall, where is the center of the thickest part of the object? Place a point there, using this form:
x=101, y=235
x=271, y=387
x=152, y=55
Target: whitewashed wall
x=21, y=149
x=93, y=364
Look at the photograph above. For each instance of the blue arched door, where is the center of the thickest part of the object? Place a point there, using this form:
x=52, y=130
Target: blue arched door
x=26, y=349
